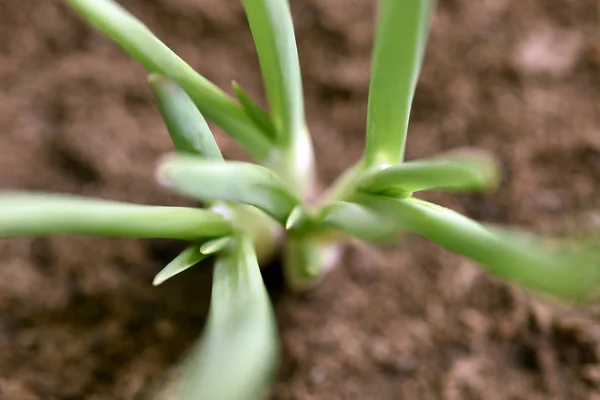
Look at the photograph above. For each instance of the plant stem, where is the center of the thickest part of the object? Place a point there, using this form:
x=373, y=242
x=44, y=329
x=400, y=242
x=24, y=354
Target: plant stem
x=309, y=257
x=295, y=165
x=266, y=234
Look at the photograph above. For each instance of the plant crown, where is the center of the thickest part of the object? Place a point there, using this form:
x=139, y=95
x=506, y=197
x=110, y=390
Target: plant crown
x=252, y=208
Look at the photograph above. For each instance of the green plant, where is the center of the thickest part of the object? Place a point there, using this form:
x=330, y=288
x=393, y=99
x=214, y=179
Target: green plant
x=251, y=209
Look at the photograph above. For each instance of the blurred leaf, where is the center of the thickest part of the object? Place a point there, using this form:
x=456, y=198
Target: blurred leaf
x=187, y=259
x=358, y=221
x=229, y=181
x=254, y=223
x=257, y=114
x=36, y=214
x=309, y=257
x=298, y=219
x=459, y=171
x=273, y=31
x=188, y=128
x=141, y=44
x=214, y=246
x=400, y=43
x=566, y=271
x=237, y=356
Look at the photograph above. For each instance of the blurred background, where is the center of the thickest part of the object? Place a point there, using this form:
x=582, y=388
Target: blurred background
x=521, y=78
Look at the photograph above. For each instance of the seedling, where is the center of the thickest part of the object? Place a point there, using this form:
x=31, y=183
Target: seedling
x=252, y=209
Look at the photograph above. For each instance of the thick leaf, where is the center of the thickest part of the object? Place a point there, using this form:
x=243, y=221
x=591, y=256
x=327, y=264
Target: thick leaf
x=141, y=44
x=254, y=111
x=187, y=259
x=237, y=356
x=252, y=222
x=229, y=181
x=458, y=171
x=565, y=271
x=298, y=219
x=273, y=31
x=359, y=221
x=188, y=128
x=308, y=258
x=36, y=214
x=399, y=47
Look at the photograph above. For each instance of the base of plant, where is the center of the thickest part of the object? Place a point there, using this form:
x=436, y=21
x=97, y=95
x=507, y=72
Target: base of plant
x=307, y=260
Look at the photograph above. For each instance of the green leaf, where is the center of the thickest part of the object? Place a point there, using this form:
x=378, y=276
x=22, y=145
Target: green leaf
x=298, y=219
x=397, y=57
x=187, y=259
x=37, y=214
x=458, y=171
x=254, y=223
x=358, y=221
x=565, y=271
x=233, y=181
x=141, y=44
x=214, y=246
x=273, y=32
x=256, y=113
x=188, y=128
x=237, y=355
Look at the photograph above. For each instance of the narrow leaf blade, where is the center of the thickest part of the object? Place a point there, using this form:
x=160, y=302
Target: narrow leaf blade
x=399, y=47
x=256, y=113
x=229, y=181
x=273, y=31
x=358, y=221
x=186, y=125
x=214, y=246
x=457, y=171
x=561, y=271
x=143, y=46
x=37, y=214
x=237, y=355
x=185, y=260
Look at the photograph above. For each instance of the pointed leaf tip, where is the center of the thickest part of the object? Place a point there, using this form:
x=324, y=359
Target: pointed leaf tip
x=254, y=111
x=297, y=218
x=185, y=260
x=189, y=130
x=141, y=44
x=214, y=246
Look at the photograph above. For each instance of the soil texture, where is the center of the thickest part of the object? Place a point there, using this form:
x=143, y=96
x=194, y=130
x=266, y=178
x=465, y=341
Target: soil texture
x=79, y=318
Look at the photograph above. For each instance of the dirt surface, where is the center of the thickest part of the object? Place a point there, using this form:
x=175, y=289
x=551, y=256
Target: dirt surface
x=79, y=317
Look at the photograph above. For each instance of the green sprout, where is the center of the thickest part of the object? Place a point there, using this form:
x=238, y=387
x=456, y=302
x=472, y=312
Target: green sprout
x=254, y=210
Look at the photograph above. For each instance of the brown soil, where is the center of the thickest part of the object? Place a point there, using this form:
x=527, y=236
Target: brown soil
x=79, y=317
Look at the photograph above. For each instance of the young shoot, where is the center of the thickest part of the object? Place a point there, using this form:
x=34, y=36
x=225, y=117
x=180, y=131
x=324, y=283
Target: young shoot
x=253, y=211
